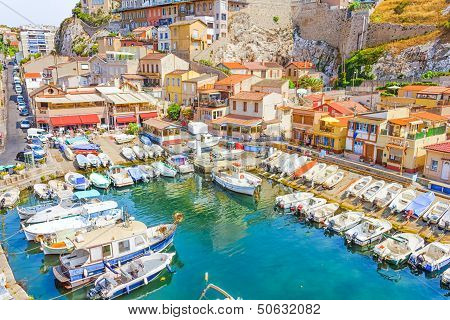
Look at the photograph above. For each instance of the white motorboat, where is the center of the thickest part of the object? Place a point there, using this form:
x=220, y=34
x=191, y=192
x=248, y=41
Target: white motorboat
x=157, y=150
x=314, y=171
x=435, y=213
x=124, y=138
x=321, y=214
x=445, y=278
x=396, y=249
x=9, y=198
x=139, y=152
x=276, y=165
x=164, y=169
x=344, y=221
x=292, y=164
x=105, y=160
x=444, y=223
x=99, y=180
x=149, y=171
x=92, y=220
x=237, y=180
x=82, y=161
x=227, y=154
x=371, y=191
x=77, y=181
x=206, y=141
x=181, y=163
x=131, y=276
x=128, y=154
x=61, y=188
x=325, y=174
x=402, y=200
x=306, y=207
x=358, y=187
x=266, y=162
x=386, y=195
x=43, y=191
x=370, y=230
x=433, y=257
x=94, y=161
x=149, y=151
x=69, y=153
x=119, y=176
x=333, y=180
x=288, y=201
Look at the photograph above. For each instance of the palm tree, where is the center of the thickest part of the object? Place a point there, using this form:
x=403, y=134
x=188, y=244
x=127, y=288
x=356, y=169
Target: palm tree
x=55, y=61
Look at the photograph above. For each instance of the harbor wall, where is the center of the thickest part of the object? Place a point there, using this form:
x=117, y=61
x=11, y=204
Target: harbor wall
x=16, y=291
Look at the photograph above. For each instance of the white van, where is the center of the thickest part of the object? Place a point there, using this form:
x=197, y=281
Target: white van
x=41, y=134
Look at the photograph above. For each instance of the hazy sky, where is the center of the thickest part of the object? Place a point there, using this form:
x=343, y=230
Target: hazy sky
x=50, y=12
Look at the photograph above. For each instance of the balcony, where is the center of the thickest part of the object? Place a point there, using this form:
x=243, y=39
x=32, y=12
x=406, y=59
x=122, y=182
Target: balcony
x=400, y=142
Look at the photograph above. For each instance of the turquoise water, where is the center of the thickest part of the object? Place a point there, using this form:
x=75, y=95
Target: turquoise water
x=246, y=248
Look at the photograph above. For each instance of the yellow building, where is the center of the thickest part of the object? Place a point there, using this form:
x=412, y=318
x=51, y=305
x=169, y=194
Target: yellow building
x=330, y=133
x=188, y=38
x=173, y=86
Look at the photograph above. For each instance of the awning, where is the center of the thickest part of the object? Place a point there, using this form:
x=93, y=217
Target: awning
x=65, y=121
x=150, y=115
x=126, y=119
x=42, y=121
x=90, y=119
x=329, y=120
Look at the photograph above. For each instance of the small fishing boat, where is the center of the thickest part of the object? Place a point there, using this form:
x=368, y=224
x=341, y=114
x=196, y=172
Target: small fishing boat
x=288, y=201
x=358, y=187
x=99, y=180
x=435, y=213
x=124, y=138
x=70, y=207
x=217, y=293
x=94, y=161
x=77, y=140
x=369, y=231
x=105, y=160
x=322, y=176
x=9, y=198
x=387, y=195
x=445, y=278
x=344, y=221
x=128, y=154
x=396, y=249
x=120, y=176
x=237, y=180
x=149, y=171
x=164, y=169
x=300, y=172
x=60, y=243
x=433, y=257
x=68, y=153
x=137, y=174
x=276, y=165
x=419, y=205
x=181, y=164
x=157, y=151
x=77, y=181
x=27, y=212
x=90, y=219
x=370, y=192
x=149, y=150
x=292, y=164
x=307, y=206
x=145, y=140
x=321, y=214
x=100, y=250
x=61, y=188
x=444, y=223
x=333, y=180
x=314, y=171
x=131, y=276
x=85, y=148
x=206, y=141
x=82, y=161
x=139, y=152
x=402, y=201
x=43, y=191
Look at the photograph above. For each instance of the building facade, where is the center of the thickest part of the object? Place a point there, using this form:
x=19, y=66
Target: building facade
x=437, y=162
x=34, y=39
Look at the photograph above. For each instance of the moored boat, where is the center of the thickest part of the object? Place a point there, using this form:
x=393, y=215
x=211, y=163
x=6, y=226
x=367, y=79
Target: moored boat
x=149, y=171
x=320, y=178
x=164, y=169
x=300, y=172
x=123, y=138
x=97, y=250
x=99, y=180
x=131, y=276
x=344, y=221
x=370, y=230
x=139, y=152
x=321, y=214
x=435, y=213
x=396, y=249
x=333, y=180
x=94, y=161
x=237, y=180
x=61, y=188
x=288, y=201
x=82, y=161
x=402, y=201
x=77, y=181
x=137, y=174
x=43, y=191
x=387, y=195
x=445, y=278
x=419, y=205
x=314, y=171
x=444, y=222
x=105, y=160
x=181, y=164
x=309, y=205
x=433, y=257
x=371, y=191
x=128, y=154
x=358, y=186
x=120, y=176
x=9, y=198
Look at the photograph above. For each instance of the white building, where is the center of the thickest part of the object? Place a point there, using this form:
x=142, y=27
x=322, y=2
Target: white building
x=164, y=39
x=37, y=39
x=220, y=18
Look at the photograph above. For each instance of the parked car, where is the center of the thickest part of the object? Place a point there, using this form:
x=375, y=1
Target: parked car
x=38, y=151
x=20, y=156
x=25, y=124
x=18, y=88
x=24, y=112
x=36, y=141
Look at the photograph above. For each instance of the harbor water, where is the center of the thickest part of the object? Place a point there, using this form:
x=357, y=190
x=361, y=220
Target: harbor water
x=246, y=248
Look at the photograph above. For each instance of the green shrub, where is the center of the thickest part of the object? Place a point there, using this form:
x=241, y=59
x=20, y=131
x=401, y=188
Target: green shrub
x=276, y=19
x=133, y=128
x=206, y=62
x=400, y=8
x=174, y=111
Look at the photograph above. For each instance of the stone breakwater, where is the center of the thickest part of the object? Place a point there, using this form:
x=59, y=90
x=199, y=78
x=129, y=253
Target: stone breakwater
x=16, y=291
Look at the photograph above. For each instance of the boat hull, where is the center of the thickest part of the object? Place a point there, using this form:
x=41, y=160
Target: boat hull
x=250, y=191
x=137, y=283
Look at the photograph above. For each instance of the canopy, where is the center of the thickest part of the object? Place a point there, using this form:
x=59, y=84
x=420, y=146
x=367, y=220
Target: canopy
x=86, y=194
x=65, y=121
x=329, y=120
x=126, y=119
x=90, y=119
x=421, y=203
x=150, y=115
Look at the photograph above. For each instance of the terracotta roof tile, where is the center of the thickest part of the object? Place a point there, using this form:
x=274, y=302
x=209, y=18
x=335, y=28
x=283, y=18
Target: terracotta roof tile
x=233, y=65
x=154, y=56
x=233, y=79
x=255, y=66
x=31, y=75
x=429, y=116
x=238, y=120
x=440, y=147
x=246, y=95
x=302, y=64
x=435, y=90
x=273, y=65
x=403, y=121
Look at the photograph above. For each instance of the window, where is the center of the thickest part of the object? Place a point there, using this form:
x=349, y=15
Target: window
x=434, y=165
x=256, y=107
x=84, y=66
x=139, y=241
x=289, y=72
x=234, y=105
x=124, y=246
x=106, y=250
x=245, y=106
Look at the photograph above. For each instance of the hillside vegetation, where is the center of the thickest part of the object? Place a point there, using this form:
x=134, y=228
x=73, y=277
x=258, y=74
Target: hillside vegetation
x=410, y=12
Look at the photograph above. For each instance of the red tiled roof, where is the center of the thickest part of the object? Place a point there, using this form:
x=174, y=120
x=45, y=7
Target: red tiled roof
x=238, y=120
x=233, y=79
x=440, y=147
x=314, y=97
x=414, y=88
x=435, y=90
x=246, y=95
x=154, y=56
x=403, y=121
x=302, y=64
x=272, y=65
x=339, y=108
x=255, y=66
x=429, y=116
x=233, y=65
x=354, y=106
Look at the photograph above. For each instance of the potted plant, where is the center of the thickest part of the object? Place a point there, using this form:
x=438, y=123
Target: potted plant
x=4, y=175
x=19, y=169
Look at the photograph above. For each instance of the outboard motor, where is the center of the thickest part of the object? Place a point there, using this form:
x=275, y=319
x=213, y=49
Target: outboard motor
x=93, y=293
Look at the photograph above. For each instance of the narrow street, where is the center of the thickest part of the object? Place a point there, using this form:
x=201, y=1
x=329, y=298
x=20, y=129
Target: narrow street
x=15, y=141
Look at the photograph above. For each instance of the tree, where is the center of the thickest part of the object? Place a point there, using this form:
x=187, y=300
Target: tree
x=174, y=111
x=188, y=113
x=133, y=128
x=314, y=83
x=276, y=19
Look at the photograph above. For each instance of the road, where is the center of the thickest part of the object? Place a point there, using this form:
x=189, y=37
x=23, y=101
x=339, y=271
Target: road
x=15, y=140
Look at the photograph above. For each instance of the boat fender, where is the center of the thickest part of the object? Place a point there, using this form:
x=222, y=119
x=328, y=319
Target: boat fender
x=145, y=281
x=85, y=273
x=128, y=289
x=299, y=208
x=170, y=269
x=39, y=238
x=119, y=263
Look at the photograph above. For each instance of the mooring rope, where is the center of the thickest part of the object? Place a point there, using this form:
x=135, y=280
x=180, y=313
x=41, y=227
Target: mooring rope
x=6, y=239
